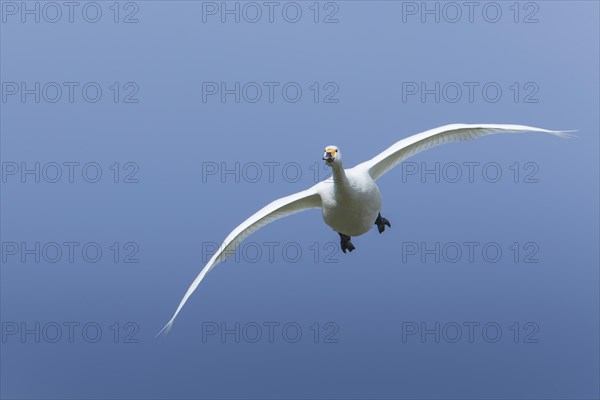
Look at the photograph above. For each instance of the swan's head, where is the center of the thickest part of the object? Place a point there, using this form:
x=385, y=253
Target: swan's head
x=332, y=156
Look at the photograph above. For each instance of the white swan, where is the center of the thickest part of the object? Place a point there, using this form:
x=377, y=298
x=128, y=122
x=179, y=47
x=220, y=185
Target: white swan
x=350, y=199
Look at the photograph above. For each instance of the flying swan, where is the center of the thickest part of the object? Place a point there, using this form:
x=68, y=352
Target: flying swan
x=350, y=199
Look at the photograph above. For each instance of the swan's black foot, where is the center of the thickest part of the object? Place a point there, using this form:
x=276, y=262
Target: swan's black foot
x=346, y=243
x=382, y=223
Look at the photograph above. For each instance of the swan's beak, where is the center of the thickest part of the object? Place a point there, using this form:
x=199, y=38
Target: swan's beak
x=329, y=155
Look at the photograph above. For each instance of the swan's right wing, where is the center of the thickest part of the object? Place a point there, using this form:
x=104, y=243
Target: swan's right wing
x=280, y=208
x=414, y=144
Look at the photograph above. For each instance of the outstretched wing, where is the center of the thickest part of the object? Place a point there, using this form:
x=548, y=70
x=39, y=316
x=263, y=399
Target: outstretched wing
x=280, y=208
x=412, y=145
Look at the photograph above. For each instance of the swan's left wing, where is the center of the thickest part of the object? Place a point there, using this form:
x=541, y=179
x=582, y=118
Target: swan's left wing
x=280, y=208
x=412, y=145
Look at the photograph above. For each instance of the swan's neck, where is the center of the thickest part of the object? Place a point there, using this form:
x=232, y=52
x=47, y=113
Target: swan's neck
x=340, y=179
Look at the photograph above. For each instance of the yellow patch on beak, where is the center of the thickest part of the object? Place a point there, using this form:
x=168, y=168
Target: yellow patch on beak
x=329, y=155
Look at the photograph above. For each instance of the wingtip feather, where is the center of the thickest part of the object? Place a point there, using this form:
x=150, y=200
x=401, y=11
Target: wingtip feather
x=166, y=329
x=564, y=134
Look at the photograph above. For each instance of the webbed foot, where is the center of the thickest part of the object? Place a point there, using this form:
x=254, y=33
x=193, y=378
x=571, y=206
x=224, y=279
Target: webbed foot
x=345, y=243
x=382, y=223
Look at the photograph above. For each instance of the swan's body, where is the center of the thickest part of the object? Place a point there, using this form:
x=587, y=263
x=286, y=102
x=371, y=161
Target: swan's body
x=350, y=199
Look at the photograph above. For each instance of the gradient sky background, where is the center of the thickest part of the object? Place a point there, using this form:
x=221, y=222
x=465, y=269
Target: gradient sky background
x=355, y=311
